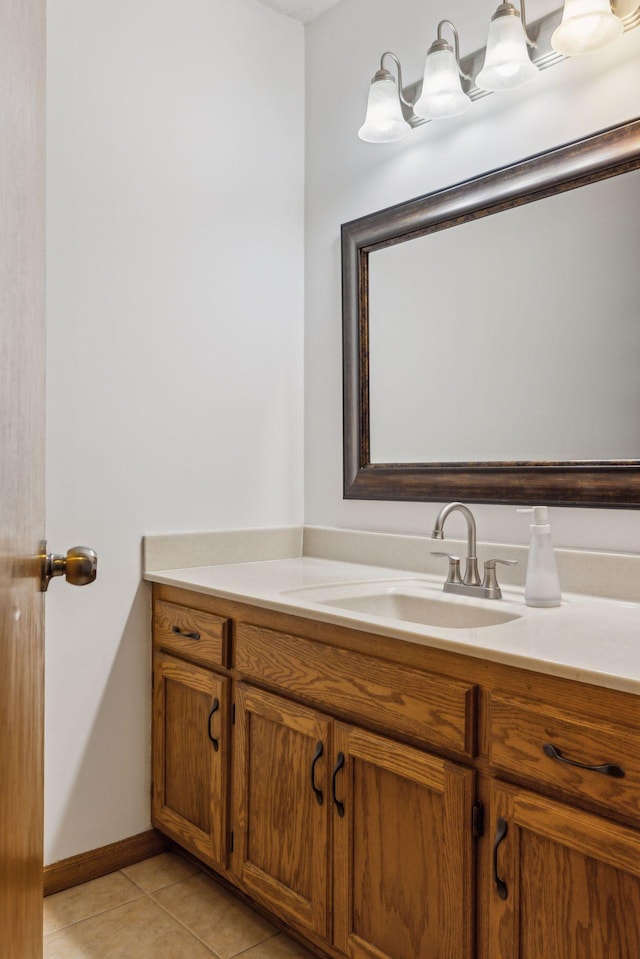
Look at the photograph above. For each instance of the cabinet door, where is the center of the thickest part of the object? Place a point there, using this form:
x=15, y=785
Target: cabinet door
x=190, y=721
x=565, y=883
x=403, y=851
x=281, y=806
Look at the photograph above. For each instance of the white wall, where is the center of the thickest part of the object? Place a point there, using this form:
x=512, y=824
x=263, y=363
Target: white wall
x=346, y=178
x=175, y=298
x=175, y=295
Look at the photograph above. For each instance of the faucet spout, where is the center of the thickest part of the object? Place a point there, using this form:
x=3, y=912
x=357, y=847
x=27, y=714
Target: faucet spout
x=471, y=574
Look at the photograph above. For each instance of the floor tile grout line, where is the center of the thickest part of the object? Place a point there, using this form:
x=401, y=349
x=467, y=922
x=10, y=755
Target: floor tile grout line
x=145, y=895
x=151, y=896
x=141, y=893
x=94, y=915
x=185, y=926
x=150, y=892
x=136, y=884
x=189, y=929
x=273, y=935
x=200, y=872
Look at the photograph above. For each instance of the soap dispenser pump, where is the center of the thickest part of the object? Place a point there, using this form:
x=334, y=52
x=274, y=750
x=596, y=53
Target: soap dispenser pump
x=542, y=587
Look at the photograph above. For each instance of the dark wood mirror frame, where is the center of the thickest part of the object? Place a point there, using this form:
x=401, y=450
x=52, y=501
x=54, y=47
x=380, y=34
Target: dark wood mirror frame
x=605, y=483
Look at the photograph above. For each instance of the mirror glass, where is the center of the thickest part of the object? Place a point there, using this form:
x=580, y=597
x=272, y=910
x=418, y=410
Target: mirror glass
x=511, y=337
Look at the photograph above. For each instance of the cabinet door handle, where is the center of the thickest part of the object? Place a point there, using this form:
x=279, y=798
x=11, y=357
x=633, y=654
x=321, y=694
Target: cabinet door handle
x=318, y=753
x=338, y=766
x=185, y=633
x=606, y=769
x=501, y=832
x=214, y=709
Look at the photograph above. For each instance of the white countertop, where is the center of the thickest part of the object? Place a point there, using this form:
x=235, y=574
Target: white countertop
x=592, y=640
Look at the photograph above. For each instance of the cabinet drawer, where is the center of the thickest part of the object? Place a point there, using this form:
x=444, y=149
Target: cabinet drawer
x=424, y=706
x=521, y=729
x=190, y=632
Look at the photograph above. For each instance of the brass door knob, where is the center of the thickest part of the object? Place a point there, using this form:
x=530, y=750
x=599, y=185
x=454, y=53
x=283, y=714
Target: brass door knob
x=79, y=566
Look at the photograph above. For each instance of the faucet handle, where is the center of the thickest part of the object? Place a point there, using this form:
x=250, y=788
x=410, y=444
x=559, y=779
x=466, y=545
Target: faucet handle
x=453, y=576
x=490, y=580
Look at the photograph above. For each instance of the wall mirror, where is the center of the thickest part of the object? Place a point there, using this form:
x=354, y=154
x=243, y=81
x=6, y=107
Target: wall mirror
x=491, y=335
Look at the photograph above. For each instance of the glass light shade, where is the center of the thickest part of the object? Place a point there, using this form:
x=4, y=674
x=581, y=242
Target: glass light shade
x=384, y=121
x=442, y=94
x=587, y=25
x=506, y=65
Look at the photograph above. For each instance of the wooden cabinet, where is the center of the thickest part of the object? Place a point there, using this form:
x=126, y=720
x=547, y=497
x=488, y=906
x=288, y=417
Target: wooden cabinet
x=348, y=796
x=403, y=851
x=281, y=806
x=190, y=747
x=401, y=856
x=566, y=883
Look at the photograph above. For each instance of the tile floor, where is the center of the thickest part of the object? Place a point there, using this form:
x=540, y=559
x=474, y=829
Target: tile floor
x=162, y=908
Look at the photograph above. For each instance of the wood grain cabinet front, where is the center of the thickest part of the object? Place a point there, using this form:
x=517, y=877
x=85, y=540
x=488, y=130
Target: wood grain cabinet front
x=594, y=761
x=356, y=787
x=400, y=861
x=281, y=824
x=193, y=633
x=403, y=851
x=439, y=711
x=190, y=749
x=565, y=884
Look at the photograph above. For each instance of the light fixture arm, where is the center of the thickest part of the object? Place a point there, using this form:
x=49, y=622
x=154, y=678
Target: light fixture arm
x=523, y=17
x=456, y=40
x=399, y=69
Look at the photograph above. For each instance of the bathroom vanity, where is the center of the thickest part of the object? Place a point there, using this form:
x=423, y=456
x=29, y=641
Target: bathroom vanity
x=387, y=788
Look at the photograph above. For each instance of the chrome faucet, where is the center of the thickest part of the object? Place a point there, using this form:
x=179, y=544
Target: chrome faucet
x=471, y=574
x=469, y=584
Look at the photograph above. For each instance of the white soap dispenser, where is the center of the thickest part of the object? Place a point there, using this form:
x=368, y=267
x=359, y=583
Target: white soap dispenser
x=542, y=587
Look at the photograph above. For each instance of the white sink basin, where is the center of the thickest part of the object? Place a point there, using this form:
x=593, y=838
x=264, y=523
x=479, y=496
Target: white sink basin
x=412, y=602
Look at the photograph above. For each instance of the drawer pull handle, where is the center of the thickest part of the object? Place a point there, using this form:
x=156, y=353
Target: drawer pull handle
x=501, y=832
x=607, y=769
x=318, y=753
x=339, y=764
x=214, y=709
x=183, y=632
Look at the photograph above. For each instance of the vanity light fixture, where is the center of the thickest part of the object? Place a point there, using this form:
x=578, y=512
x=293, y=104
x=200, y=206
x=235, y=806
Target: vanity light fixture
x=385, y=121
x=587, y=25
x=447, y=87
x=442, y=94
x=507, y=65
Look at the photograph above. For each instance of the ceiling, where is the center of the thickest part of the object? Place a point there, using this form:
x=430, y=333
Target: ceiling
x=303, y=10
